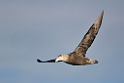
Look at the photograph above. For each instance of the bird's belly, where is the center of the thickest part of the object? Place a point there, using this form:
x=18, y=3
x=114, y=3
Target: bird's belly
x=76, y=63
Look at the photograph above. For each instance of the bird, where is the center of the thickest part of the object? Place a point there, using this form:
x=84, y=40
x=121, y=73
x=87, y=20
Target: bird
x=78, y=56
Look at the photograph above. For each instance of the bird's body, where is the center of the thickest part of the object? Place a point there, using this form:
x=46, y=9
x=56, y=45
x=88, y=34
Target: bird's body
x=77, y=57
x=76, y=60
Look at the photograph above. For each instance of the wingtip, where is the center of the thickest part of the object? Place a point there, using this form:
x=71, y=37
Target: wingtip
x=38, y=60
x=102, y=11
x=99, y=19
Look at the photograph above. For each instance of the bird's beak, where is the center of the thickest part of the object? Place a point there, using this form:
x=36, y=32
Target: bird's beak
x=96, y=61
x=93, y=61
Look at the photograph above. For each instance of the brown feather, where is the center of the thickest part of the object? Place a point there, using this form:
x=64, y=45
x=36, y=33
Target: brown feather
x=89, y=37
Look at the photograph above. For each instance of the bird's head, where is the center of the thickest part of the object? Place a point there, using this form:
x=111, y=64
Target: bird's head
x=93, y=61
x=62, y=58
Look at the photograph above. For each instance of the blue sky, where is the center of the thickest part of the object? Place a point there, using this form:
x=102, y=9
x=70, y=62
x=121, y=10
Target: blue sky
x=31, y=29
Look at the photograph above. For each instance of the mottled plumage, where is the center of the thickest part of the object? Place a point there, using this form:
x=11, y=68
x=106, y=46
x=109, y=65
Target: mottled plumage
x=77, y=57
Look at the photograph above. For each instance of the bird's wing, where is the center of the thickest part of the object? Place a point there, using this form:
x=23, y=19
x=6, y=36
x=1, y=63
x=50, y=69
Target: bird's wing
x=89, y=36
x=52, y=60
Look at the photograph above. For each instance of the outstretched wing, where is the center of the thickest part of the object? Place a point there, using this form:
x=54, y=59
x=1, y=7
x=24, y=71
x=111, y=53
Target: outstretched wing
x=52, y=60
x=89, y=36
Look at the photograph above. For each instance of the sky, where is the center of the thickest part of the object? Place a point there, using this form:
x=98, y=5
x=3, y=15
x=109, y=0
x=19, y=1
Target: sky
x=31, y=29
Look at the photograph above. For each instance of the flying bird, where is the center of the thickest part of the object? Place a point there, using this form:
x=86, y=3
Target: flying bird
x=78, y=56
